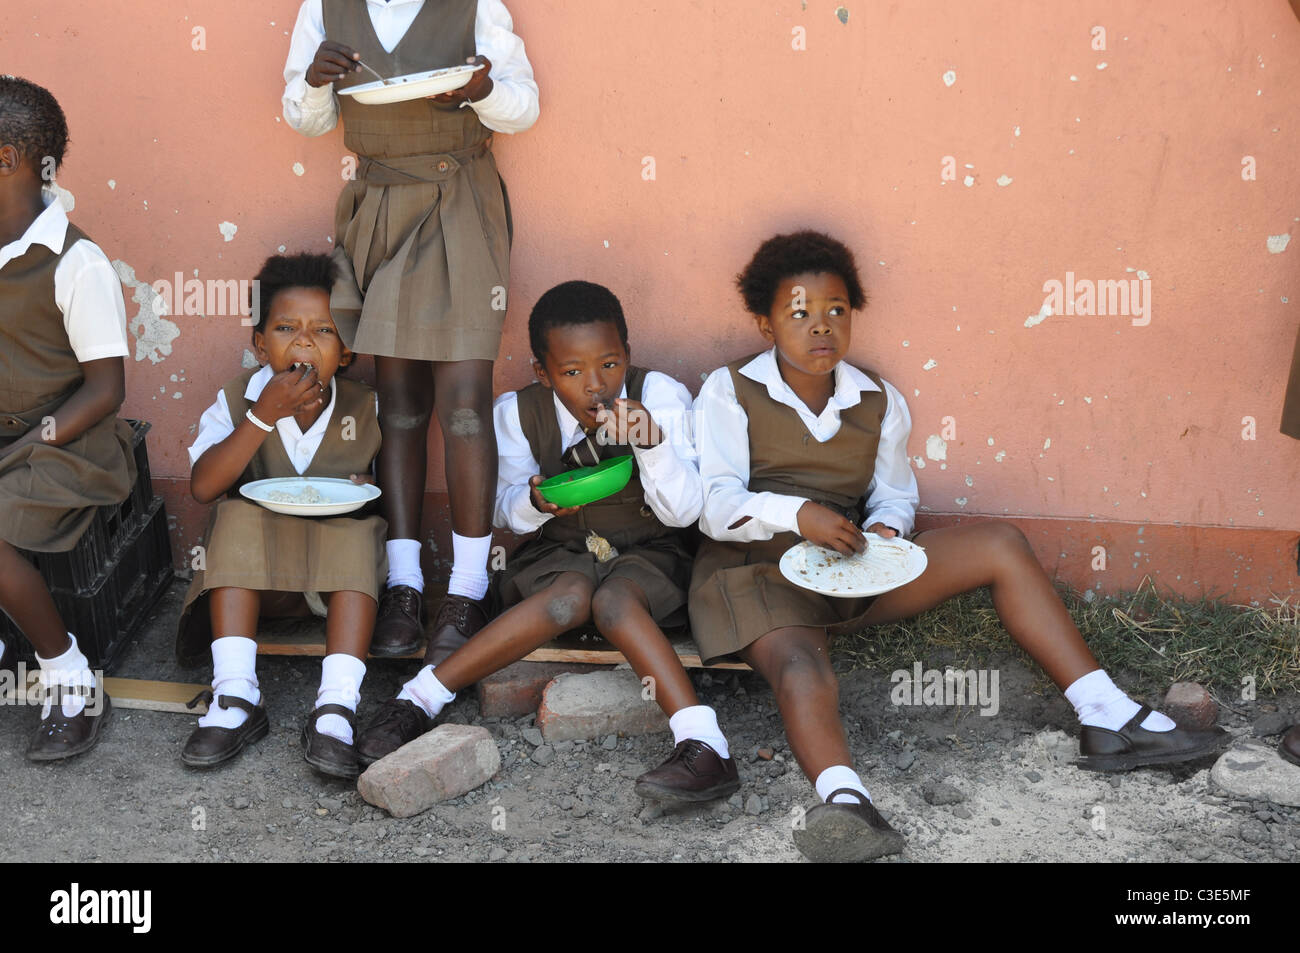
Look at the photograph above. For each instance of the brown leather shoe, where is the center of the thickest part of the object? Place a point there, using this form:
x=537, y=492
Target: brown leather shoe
x=1133, y=746
x=397, y=722
x=58, y=736
x=326, y=753
x=842, y=833
x=1290, y=746
x=693, y=772
x=210, y=745
x=457, y=620
x=399, y=626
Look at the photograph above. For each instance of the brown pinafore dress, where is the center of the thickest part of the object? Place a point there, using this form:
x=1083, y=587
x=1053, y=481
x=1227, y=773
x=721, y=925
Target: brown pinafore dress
x=654, y=556
x=422, y=234
x=737, y=591
x=48, y=494
x=249, y=547
x=1291, y=405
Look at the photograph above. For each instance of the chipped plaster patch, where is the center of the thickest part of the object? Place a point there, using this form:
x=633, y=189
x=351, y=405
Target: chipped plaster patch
x=949, y=77
x=1036, y=319
x=1277, y=243
x=66, y=198
x=298, y=168
x=936, y=448
x=249, y=360
x=227, y=230
x=153, y=332
x=1005, y=180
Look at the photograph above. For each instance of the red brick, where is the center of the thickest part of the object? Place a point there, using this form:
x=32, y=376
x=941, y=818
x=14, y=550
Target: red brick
x=596, y=704
x=1191, y=706
x=517, y=689
x=440, y=765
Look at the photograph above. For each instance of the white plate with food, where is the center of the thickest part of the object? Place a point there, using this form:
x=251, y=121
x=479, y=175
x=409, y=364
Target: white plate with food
x=886, y=564
x=309, y=496
x=399, y=89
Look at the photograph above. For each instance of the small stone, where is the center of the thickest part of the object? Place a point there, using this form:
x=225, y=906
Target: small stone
x=1190, y=705
x=1272, y=723
x=532, y=736
x=941, y=792
x=329, y=803
x=1033, y=777
x=581, y=809
x=766, y=754
x=905, y=759
x=566, y=803
x=497, y=853
x=754, y=805
x=610, y=742
x=543, y=755
x=1253, y=832
x=736, y=801
x=240, y=803
x=1006, y=734
x=287, y=803
x=962, y=812
x=1199, y=852
x=995, y=822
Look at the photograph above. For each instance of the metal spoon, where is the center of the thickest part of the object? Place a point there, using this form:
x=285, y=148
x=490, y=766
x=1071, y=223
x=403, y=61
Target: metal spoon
x=386, y=82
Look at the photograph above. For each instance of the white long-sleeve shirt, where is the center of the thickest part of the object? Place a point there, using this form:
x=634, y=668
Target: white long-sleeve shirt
x=512, y=106
x=668, y=471
x=86, y=288
x=216, y=424
x=722, y=439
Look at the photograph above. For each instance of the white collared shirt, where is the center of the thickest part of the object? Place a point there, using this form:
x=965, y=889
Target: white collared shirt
x=86, y=288
x=668, y=471
x=512, y=106
x=216, y=424
x=722, y=438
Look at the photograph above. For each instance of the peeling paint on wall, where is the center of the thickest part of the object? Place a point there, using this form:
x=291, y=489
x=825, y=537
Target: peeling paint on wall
x=227, y=230
x=1277, y=243
x=153, y=332
x=936, y=448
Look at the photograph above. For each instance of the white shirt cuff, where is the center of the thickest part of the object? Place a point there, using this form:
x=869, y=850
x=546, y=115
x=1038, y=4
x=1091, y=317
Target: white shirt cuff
x=524, y=517
x=781, y=512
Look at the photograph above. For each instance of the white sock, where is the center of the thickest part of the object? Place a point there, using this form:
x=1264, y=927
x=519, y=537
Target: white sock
x=840, y=776
x=234, y=672
x=69, y=670
x=427, y=692
x=340, y=684
x=1099, y=702
x=469, y=558
x=404, y=563
x=701, y=723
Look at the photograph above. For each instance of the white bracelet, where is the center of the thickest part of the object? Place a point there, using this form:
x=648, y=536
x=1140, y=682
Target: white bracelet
x=253, y=417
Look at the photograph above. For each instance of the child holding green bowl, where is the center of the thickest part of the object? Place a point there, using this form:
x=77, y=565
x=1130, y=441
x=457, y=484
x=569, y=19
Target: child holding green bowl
x=622, y=562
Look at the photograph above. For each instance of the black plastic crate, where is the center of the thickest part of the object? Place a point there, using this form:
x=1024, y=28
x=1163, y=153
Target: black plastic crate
x=105, y=615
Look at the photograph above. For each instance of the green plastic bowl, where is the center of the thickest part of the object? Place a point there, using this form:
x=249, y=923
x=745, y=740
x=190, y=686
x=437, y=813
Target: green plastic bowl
x=588, y=484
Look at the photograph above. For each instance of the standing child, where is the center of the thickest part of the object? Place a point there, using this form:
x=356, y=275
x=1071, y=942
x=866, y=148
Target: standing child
x=556, y=581
x=793, y=443
x=422, y=238
x=291, y=417
x=63, y=451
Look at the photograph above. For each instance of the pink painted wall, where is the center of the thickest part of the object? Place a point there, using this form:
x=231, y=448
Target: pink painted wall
x=1104, y=163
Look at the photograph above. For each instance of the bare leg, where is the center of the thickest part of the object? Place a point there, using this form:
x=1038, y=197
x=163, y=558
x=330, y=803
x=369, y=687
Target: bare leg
x=234, y=612
x=464, y=405
x=27, y=600
x=405, y=406
x=350, y=623
x=995, y=554
x=563, y=605
x=621, y=612
x=795, y=661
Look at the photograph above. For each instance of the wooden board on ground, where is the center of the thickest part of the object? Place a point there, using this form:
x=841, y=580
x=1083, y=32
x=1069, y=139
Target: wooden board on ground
x=141, y=694
x=307, y=637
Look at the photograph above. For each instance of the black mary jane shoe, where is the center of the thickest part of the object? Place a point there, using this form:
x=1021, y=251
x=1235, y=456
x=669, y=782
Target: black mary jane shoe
x=58, y=736
x=841, y=833
x=210, y=745
x=326, y=753
x=1133, y=746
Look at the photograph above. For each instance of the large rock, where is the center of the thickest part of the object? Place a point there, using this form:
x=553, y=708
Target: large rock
x=1254, y=771
x=517, y=689
x=440, y=765
x=596, y=704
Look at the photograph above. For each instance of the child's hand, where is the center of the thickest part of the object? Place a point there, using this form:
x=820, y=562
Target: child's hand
x=824, y=527
x=287, y=393
x=880, y=529
x=333, y=61
x=362, y=479
x=628, y=423
x=542, y=505
x=479, y=85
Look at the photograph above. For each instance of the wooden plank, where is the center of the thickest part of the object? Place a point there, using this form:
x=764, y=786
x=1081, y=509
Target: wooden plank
x=140, y=694
x=307, y=638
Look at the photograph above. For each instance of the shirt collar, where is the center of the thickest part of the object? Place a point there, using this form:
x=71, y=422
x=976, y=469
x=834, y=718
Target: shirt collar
x=570, y=429
x=257, y=383
x=849, y=381
x=50, y=229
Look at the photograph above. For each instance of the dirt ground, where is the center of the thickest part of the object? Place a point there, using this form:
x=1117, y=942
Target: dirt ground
x=1002, y=786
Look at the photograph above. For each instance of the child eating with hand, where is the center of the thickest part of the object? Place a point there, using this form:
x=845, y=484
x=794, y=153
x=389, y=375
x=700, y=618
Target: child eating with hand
x=623, y=561
x=291, y=417
x=796, y=443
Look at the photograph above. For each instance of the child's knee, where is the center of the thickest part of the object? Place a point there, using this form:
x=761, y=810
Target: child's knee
x=401, y=418
x=1007, y=538
x=803, y=669
x=568, y=601
x=466, y=423
x=610, y=605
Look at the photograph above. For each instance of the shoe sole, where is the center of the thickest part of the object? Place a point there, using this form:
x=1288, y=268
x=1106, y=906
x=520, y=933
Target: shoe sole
x=838, y=837
x=346, y=772
x=1128, y=762
x=255, y=735
x=666, y=795
x=86, y=745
